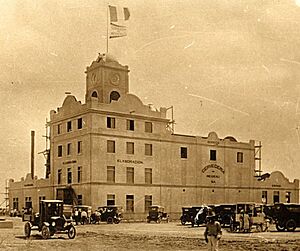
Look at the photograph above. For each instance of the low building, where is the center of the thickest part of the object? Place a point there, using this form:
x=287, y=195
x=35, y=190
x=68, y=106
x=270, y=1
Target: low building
x=113, y=149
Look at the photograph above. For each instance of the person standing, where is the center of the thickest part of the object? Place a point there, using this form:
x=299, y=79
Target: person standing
x=213, y=232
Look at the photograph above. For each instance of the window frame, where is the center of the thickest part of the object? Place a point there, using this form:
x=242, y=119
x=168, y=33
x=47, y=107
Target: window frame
x=111, y=148
x=183, y=152
x=111, y=174
x=213, y=155
x=130, y=124
x=129, y=147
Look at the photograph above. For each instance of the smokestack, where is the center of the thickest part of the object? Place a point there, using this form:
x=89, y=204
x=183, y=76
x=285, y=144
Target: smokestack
x=32, y=154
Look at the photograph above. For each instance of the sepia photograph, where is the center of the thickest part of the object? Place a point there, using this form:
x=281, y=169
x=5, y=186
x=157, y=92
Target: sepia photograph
x=150, y=125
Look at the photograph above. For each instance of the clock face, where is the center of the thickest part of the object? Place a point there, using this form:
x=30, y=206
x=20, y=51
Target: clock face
x=114, y=78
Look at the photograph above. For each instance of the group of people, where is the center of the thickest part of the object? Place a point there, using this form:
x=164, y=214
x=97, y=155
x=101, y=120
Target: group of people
x=81, y=216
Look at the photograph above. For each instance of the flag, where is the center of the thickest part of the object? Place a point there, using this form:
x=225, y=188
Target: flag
x=118, y=18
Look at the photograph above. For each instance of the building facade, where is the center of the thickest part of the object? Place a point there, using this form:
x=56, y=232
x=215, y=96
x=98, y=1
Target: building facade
x=113, y=149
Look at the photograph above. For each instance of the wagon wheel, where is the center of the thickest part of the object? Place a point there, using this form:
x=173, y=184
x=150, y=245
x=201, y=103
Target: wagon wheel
x=71, y=232
x=27, y=229
x=45, y=232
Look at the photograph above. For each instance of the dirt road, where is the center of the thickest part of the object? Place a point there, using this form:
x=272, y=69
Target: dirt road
x=145, y=236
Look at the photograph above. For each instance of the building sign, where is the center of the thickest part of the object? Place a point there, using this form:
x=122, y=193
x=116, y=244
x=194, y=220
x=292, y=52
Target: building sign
x=69, y=162
x=215, y=166
x=276, y=185
x=129, y=161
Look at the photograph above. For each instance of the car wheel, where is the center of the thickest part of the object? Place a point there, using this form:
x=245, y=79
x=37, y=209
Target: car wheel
x=71, y=232
x=110, y=220
x=291, y=225
x=116, y=221
x=27, y=229
x=280, y=227
x=45, y=232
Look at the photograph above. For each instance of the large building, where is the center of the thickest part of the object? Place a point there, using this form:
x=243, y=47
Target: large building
x=113, y=149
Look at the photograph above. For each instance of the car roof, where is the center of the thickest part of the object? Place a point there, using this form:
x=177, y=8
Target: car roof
x=52, y=201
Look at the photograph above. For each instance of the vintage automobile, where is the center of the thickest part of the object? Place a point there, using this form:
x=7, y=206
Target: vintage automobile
x=111, y=214
x=80, y=208
x=224, y=213
x=200, y=217
x=49, y=221
x=286, y=216
x=157, y=213
x=186, y=215
x=251, y=211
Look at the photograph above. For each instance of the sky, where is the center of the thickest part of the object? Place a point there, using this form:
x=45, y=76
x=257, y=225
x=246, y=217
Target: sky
x=228, y=66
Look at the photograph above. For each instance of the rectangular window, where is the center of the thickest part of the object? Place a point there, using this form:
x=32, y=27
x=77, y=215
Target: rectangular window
x=213, y=155
x=148, y=127
x=276, y=198
x=111, y=200
x=111, y=122
x=41, y=198
x=79, y=147
x=288, y=197
x=130, y=124
x=59, y=176
x=79, y=174
x=183, y=152
x=130, y=175
x=111, y=146
x=148, y=202
x=69, y=126
x=28, y=202
x=130, y=203
x=79, y=123
x=111, y=174
x=79, y=199
x=59, y=151
x=148, y=175
x=129, y=147
x=59, y=129
x=148, y=149
x=240, y=157
x=69, y=148
x=69, y=176
x=16, y=203
x=264, y=197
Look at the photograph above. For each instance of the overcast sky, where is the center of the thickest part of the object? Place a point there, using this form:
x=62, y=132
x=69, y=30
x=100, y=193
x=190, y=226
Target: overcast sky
x=228, y=66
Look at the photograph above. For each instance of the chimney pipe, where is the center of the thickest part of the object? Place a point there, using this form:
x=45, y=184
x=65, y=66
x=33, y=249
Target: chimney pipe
x=32, y=154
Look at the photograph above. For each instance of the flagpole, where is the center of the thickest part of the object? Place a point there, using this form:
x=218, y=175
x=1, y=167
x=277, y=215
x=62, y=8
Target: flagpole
x=107, y=29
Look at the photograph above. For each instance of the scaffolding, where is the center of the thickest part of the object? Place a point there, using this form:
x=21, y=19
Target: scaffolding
x=6, y=198
x=257, y=157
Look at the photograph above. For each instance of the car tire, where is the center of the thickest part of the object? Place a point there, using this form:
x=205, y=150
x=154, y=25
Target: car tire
x=71, y=232
x=280, y=227
x=110, y=220
x=27, y=229
x=291, y=225
x=45, y=232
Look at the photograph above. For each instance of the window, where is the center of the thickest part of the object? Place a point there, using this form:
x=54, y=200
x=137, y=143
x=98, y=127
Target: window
x=41, y=198
x=69, y=126
x=59, y=129
x=110, y=200
x=114, y=96
x=69, y=177
x=59, y=151
x=183, y=152
x=130, y=124
x=240, y=157
x=264, y=197
x=276, y=197
x=148, y=202
x=16, y=203
x=111, y=173
x=58, y=176
x=148, y=149
x=69, y=148
x=79, y=199
x=79, y=123
x=130, y=175
x=130, y=203
x=111, y=146
x=288, y=197
x=111, y=122
x=129, y=147
x=28, y=202
x=213, y=155
x=148, y=127
x=79, y=174
x=148, y=175
x=79, y=147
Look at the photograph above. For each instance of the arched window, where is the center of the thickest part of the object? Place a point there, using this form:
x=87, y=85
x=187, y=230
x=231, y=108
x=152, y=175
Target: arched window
x=95, y=94
x=114, y=96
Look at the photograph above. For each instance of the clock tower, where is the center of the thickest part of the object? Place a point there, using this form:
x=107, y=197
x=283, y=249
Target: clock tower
x=106, y=80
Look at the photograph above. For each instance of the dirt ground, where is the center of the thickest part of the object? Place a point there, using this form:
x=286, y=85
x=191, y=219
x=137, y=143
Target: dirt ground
x=145, y=236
